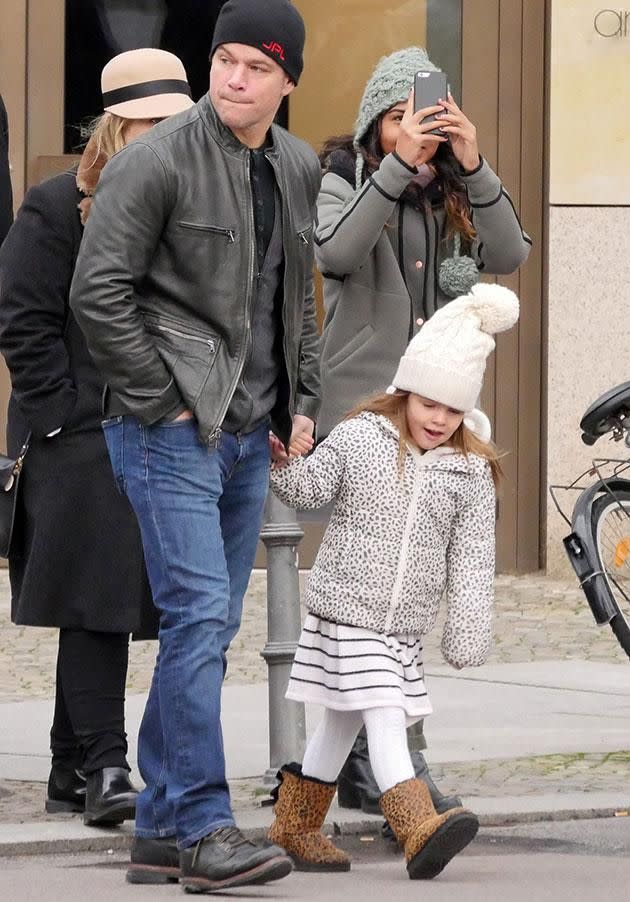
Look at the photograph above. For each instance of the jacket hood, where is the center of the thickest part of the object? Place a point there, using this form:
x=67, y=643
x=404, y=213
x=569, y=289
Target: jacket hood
x=443, y=457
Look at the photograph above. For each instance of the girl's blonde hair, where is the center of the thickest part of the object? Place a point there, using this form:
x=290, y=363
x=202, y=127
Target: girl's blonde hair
x=394, y=407
x=106, y=134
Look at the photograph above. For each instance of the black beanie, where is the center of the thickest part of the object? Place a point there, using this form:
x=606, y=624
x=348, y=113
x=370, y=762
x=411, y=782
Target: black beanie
x=274, y=27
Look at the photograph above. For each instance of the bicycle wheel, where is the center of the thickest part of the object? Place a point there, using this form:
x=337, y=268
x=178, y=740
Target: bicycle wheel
x=610, y=522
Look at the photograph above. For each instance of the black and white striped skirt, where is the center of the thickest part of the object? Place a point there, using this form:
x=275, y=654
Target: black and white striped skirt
x=349, y=668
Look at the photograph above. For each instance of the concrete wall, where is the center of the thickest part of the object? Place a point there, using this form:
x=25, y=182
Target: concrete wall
x=589, y=341
x=589, y=224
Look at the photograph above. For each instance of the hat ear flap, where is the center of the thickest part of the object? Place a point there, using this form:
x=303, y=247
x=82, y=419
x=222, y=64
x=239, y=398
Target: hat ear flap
x=479, y=424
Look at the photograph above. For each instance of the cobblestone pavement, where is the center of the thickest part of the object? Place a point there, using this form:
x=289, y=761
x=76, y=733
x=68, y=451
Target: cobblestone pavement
x=535, y=619
x=22, y=802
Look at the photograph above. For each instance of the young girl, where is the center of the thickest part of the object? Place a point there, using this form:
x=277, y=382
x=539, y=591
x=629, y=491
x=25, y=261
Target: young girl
x=405, y=219
x=412, y=474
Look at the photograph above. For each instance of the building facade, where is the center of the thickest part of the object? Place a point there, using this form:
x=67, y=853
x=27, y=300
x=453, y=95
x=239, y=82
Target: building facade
x=498, y=56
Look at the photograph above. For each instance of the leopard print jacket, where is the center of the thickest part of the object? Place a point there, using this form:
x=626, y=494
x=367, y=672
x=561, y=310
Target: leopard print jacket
x=396, y=540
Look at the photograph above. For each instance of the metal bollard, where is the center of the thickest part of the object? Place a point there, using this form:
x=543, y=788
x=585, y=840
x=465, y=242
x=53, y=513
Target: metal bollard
x=281, y=535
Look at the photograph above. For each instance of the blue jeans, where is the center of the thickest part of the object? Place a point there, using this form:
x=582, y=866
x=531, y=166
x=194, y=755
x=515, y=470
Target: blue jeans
x=200, y=512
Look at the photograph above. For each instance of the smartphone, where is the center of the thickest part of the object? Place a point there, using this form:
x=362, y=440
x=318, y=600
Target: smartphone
x=428, y=88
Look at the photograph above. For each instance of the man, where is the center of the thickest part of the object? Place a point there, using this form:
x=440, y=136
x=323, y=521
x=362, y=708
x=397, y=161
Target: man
x=6, y=194
x=194, y=289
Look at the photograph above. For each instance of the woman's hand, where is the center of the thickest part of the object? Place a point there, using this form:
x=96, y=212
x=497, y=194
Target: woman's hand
x=415, y=145
x=462, y=134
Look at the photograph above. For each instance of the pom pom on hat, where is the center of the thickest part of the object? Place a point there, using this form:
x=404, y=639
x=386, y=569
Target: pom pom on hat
x=457, y=274
x=446, y=360
x=496, y=306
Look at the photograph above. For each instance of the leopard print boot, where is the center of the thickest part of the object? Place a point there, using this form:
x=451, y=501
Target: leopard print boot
x=429, y=839
x=301, y=806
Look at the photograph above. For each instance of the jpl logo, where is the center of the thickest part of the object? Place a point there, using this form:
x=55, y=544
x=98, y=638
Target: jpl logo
x=273, y=47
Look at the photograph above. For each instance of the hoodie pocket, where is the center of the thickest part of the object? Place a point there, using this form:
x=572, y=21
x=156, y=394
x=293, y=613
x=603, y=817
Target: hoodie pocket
x=351, y=347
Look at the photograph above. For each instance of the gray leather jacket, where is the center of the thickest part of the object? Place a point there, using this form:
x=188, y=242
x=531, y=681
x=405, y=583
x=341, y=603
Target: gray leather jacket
x=164, y=280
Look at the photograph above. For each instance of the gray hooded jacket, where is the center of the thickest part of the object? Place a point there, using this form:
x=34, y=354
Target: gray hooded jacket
x=367, y=246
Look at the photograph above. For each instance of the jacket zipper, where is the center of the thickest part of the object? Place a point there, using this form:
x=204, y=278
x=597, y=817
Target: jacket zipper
x=303, y=236
x=215, y=433
x=229, y=233
x=401, y=266
x=436, y=251
x=205, y=341
x=402, y=560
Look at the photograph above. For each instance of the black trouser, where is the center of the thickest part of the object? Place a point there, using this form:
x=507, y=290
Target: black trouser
x=88, y=729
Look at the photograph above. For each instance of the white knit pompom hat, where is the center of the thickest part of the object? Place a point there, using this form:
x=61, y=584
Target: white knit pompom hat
x=446, y=360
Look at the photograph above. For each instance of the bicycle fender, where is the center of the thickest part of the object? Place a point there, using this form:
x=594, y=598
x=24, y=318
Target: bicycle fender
x=582, y=553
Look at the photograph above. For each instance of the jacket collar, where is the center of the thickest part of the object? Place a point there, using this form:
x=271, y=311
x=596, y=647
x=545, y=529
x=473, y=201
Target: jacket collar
x=225, y=136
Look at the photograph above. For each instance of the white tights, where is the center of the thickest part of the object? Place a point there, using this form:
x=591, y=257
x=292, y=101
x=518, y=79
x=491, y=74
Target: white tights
x=387, y=743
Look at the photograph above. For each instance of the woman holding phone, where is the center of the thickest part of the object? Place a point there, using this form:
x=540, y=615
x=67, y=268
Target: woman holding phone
x=407, y=220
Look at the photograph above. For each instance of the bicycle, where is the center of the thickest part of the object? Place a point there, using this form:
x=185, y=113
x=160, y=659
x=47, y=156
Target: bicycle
x=598, y=545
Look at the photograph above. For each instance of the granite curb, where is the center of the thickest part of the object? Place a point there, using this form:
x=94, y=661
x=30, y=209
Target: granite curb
x=70, y=836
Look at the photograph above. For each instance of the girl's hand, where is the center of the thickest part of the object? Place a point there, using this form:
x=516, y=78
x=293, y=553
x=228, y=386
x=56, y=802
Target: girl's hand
x=462, y=134
x=301, y=440
x=414, y=144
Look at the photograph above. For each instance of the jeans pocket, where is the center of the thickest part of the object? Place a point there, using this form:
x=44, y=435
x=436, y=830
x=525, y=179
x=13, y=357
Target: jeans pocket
x=113, y=431
x=170, y=424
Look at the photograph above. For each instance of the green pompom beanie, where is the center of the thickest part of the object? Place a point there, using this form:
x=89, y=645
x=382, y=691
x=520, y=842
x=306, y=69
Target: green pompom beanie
x=391, y=82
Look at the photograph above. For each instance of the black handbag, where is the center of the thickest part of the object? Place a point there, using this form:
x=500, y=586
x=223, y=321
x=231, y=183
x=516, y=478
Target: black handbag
x=10, y=471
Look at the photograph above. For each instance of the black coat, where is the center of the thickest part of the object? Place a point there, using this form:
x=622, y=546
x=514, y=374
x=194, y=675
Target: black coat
x=6, y=194
x=76, y=560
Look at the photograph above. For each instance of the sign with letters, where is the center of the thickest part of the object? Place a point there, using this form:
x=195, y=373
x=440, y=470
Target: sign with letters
x=590, y=122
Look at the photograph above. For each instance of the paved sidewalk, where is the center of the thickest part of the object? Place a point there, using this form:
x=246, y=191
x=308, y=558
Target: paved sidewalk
x=536, y=619
x=541, y=731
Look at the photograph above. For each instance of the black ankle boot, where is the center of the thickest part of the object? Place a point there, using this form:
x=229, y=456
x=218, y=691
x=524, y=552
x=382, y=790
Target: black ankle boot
x=110, y=797
x=356, y=786
x=66, y=790
x=441, y=803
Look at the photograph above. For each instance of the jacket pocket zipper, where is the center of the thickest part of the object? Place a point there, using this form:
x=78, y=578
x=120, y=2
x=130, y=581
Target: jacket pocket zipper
x=229, y=233
x=206, y=341
x=303, y=235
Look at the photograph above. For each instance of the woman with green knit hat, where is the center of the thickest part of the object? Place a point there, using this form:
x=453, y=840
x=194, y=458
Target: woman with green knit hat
x=406, y=221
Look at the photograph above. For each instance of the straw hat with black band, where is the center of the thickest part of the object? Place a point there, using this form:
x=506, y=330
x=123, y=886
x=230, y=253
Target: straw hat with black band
x=145, y=84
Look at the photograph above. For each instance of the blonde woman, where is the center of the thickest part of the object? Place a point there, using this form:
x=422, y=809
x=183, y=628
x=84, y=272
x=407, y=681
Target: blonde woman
x=76, y=559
